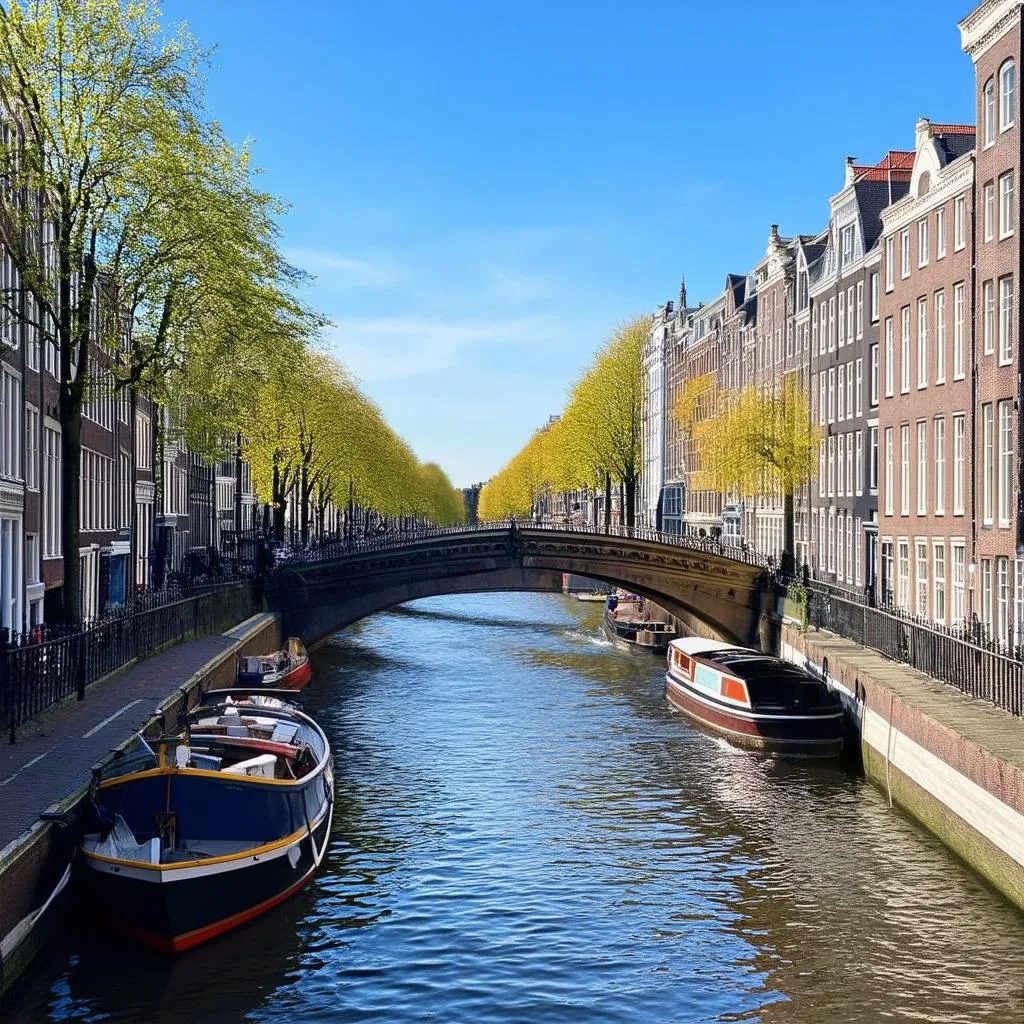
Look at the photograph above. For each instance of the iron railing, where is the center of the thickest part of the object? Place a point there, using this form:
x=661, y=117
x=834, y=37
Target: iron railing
x=40, y=668
x=962, y=654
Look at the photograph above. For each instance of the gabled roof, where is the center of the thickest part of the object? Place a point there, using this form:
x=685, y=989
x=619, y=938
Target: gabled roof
x=880, y=186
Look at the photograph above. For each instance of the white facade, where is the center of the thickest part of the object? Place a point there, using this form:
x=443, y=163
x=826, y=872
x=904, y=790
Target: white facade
x=654, y=419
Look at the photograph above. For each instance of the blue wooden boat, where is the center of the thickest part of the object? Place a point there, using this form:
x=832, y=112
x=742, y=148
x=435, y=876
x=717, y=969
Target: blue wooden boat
x=200, y=833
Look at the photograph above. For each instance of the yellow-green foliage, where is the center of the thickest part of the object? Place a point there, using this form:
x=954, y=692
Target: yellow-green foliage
x=757, y=442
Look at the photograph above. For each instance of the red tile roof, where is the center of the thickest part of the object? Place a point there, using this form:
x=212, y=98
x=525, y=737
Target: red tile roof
x=896, y=165
x=953, y=129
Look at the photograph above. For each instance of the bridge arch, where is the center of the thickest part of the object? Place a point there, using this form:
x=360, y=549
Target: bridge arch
x=712, y=594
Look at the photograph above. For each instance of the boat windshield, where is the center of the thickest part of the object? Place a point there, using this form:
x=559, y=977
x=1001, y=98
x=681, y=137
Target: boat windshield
x=137, y=756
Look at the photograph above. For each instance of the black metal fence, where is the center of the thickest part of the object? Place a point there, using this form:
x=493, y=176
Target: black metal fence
x=962, y=654
x=40, y=668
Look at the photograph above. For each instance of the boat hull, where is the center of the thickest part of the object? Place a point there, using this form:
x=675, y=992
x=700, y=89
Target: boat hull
x=614, y=631
x=788, y=735
x=295, y=678
x=177, y=908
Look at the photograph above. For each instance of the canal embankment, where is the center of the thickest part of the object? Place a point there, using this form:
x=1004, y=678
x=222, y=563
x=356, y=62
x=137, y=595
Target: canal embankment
x=953, y=762
x=44, y=778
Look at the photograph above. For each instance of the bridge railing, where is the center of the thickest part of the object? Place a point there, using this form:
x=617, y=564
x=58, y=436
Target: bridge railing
x=339, y=547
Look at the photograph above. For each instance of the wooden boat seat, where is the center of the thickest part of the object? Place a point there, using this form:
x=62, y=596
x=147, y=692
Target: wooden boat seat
x=263, y=765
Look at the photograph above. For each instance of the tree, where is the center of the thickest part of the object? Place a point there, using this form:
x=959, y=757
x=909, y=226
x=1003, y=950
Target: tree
x=604, y=417
x=88, y=85
x=760, y=442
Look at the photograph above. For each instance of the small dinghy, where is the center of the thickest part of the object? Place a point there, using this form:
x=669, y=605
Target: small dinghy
x=195, y=835
x=285, y=670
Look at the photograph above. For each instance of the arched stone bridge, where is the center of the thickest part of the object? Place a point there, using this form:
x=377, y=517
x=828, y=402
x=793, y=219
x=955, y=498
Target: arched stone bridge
x=710, y=592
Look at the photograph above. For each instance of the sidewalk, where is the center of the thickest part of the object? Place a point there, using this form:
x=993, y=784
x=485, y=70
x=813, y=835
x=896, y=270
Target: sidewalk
x=54, y=754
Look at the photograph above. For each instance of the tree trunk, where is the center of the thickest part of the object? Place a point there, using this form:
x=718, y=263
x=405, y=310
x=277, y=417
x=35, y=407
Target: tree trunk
x=622, y=504
x=630, y=486
x=349, y=523
x=131, y=576
x=607, y=502
x=304, y=495
x=71, y=474
x=278, y=500
x=788, y=532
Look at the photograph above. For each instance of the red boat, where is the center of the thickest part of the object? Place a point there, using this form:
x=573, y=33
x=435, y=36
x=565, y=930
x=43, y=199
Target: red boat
x=753, y=699
x=282, y=670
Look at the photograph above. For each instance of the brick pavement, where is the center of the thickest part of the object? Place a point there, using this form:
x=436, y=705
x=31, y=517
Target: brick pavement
x=54, y=754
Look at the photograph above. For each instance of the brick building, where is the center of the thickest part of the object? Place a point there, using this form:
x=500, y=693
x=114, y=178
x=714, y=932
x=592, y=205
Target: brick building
x=991, y=35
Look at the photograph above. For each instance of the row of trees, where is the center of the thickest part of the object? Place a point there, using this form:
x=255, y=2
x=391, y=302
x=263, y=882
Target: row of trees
x=745, y=443
x=595, y=443
x=131, y=220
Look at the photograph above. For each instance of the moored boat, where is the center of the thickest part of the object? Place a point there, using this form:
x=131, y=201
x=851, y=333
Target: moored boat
x=753, y=699
x=628, y=625
x=287, y=669
x=197, y=834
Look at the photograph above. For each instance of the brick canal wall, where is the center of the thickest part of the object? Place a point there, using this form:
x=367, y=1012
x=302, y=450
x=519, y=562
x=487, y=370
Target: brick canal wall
x=954, y=763
x=33, y=865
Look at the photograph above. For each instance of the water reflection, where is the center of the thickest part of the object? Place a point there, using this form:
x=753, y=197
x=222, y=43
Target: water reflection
x=525, y=831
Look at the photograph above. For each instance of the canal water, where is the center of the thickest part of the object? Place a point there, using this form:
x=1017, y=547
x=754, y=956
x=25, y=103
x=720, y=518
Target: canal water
x=525, y=832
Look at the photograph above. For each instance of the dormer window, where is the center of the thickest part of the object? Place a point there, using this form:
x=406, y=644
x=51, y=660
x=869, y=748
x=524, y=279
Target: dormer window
x=1007, y=95
x=847, y=244
x=990, y=112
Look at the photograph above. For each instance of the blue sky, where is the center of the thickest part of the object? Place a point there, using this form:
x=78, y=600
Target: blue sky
x=484, y=191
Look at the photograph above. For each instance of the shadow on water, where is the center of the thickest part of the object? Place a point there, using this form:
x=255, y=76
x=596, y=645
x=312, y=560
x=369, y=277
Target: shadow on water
x=525, y=625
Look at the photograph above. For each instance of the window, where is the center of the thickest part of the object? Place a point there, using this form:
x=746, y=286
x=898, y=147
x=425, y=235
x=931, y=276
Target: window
x=940, y=337
x=940, y=233
x=922, y=579
x=858, y=389
x=860, y=309
x=905, y=253
x=832, y=324
x=849, y=315
x=841, y=465
x=10, y=425
x=31, y=557
x=886, y=567
x=124, y=480
x=858, y=468
x=143, y=441
x=857, y=560
x=922, y=343
x=890, y=356
x=831, y=394
x=940, y=465
x=905, y=350
x=986, y=592
x=888, y=471
x=874, y=297
x=989, y=208
x=822, y=399
x=988, y=307
x=31, y=448
x=922, y=242
x=873, y=376
x=831, y=540
x=1007, y=219
x=1005, y=320
x=939, y=570
x=922, y=467
x=958, y=331
x=846, y=239
x=1002, y=623
x=839, y=546
x=821, y=468
x=31, y=334
x=987, y=463
x=849, y=465
x=1005, y=462
x=96, y=492
x=842, y=319
x=989, y=112
x=849, y=548
x=1007, y=95
x=903, y=583
x=841, y=404
x=873, y=460
x=959, y=222
x=52, y=503
x=959, y=462
x=957, y=608
x=905, y=470
x=890, y=263
x=831, y=467
x=849, y=391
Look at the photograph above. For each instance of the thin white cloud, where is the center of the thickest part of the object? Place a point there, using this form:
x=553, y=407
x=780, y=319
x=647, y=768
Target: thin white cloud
x=393, y=348
x=337, y=269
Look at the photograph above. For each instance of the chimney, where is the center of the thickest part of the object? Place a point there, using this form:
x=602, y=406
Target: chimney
x=850, y=172
x=774, y=238
x=922, y=132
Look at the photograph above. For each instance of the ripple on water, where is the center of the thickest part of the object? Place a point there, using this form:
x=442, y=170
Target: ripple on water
x=524, y=832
